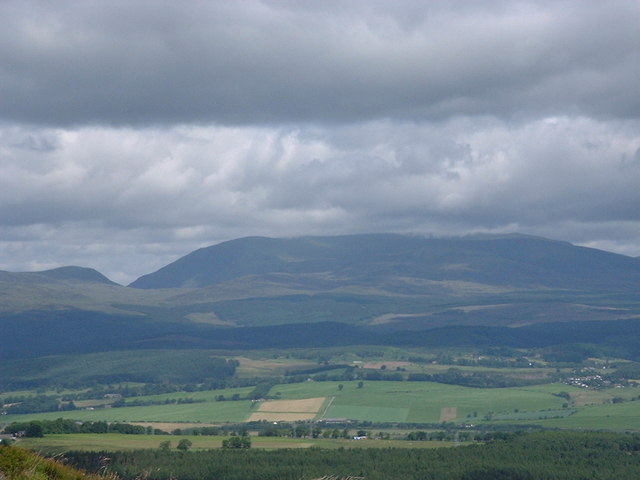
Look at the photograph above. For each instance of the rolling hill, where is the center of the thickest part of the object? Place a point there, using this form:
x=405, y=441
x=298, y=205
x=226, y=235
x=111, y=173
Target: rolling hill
x=511, y=261
x=248, y=292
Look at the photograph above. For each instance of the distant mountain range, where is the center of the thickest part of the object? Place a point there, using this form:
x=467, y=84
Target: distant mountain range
x=375, y=283
x=511, y=261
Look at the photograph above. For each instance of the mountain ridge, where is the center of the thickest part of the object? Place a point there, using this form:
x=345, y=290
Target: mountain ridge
x=499, y=260
x=375, y=284
x=65, y=273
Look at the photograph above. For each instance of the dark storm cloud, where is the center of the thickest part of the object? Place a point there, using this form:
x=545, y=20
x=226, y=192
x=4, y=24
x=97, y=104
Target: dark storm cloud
x=253, y=62
x=134, y=132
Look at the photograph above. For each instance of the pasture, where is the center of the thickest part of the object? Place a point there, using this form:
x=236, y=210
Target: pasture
x=606, y=416
x=381, y=402
x=206, y=412
x=416, y=402
x=423, y=402
x=114, y=441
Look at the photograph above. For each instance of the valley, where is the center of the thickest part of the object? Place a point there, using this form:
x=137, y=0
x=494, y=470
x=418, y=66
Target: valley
x=356, y=387
x=277, y=344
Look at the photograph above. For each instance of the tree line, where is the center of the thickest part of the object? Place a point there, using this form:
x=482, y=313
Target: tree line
x=38, y=428
x=540, y=455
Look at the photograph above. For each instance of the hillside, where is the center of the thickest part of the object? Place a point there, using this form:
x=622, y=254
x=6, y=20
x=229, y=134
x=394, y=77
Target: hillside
x=402, y=282
x=20, y=464
x=220, y=295
x=66, y=288
x=398, y=261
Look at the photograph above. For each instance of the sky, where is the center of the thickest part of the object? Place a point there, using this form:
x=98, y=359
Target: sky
x=132, y=133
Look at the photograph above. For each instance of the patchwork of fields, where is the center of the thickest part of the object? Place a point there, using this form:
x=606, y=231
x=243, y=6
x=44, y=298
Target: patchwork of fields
x=395, y=402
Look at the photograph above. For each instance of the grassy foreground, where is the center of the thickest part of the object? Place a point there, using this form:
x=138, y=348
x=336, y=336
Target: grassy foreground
x=20, y=464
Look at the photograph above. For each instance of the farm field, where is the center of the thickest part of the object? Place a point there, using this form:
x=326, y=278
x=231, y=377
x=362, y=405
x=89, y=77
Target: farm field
x=199, y=396
x=288, y=410
x=249, y=367
x=420, y=402
x=381, y=401
x=217, y=412
x=112, y=442
x=608, y=416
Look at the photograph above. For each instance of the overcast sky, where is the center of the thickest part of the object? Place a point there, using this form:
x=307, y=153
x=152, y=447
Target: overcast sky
x=133, y=132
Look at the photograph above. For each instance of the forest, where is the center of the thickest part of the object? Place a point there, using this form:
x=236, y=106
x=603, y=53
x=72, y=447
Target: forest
x=539, y=455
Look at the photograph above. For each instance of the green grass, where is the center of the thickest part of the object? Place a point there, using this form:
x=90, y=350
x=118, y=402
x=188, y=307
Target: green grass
x=537, y=415
x=610, y=416
x=191, y=412
x=370, y=413
x=171, y=366
x=20, y=464
x=401, y=402
x=422, y=402
x=113, y=441
x=206, y=396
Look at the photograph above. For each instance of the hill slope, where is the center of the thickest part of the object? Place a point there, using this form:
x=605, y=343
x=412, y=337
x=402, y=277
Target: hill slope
x=372, y=260
x=266, y=292
x=77, y=273
x=20, y=464
x=73, y=274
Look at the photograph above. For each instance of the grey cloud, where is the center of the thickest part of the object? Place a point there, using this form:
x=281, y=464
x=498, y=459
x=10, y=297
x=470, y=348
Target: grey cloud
x=174, y=189
x=262, y=62
x=134, y=132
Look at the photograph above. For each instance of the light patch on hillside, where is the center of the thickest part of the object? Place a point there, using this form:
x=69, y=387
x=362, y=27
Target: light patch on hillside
x=209, y=318
x=267, y=367
x=457, y=266
x=392, y=317
x=476, y=308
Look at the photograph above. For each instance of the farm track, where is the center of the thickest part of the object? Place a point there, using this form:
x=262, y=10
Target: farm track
x=326, y=409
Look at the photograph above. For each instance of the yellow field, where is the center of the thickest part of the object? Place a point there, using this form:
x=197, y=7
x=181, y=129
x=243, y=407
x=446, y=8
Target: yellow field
x=171, y=426
x=252, y=368
x=280, y=417
x=288, y=410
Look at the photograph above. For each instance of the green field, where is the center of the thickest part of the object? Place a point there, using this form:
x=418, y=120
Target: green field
x=405, y=402
x=113, y=441
x=200, y=396
x=420, y=402
x=608, y=416
x=207, y=412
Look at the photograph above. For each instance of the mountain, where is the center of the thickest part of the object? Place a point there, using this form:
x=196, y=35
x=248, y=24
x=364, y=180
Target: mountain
x=404, y=264
x=77, y=273
x=73, y=274
x=65, y=288
x=259, y=291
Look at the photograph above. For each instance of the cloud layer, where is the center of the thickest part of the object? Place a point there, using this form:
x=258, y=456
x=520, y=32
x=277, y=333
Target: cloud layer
x=133, y=132
x=254, y=62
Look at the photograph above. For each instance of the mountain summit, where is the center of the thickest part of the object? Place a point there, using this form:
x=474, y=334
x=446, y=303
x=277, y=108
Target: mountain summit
x=376, y=260
x=297, y=291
